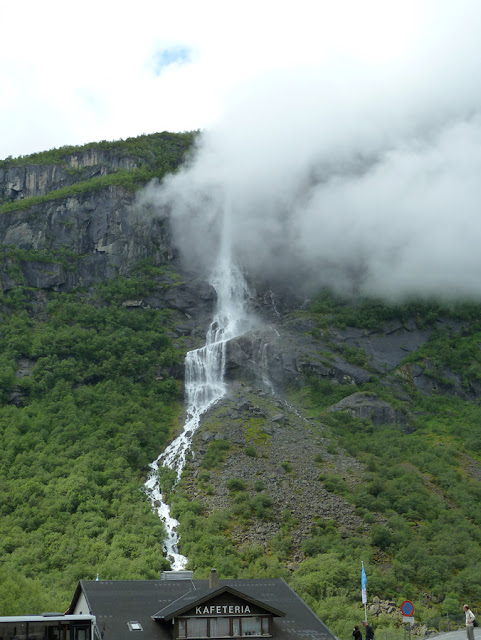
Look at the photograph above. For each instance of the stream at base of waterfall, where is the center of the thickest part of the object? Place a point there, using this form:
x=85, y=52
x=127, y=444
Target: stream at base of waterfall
x=204, y=386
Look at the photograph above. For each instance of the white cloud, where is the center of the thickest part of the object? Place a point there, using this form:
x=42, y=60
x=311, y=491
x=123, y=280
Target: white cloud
x=72, y=73
x=343, y=136
x=354, y=171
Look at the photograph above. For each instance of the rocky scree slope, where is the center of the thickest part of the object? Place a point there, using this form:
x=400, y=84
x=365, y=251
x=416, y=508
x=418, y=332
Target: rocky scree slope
x=272, y=444
x=276, y=451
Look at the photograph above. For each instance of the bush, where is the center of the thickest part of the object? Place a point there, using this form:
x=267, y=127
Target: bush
x=261, y=505
x=242, y=506
x=281, y=545
x=336, y=484
x=235, y=484
x=215, y=454
x=167, y=479
x=381, y=536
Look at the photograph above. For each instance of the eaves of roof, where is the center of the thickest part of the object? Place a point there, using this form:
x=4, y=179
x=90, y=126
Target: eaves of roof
x=180, y=606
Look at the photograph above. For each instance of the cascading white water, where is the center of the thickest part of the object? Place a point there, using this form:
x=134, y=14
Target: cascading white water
x=204, y=386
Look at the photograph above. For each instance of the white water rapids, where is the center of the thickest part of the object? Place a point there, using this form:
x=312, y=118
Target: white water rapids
x=204, y=386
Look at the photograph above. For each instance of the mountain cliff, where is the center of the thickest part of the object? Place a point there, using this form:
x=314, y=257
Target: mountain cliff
x=349, y=430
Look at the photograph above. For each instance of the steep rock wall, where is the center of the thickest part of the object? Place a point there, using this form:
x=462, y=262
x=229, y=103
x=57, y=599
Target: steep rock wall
x=104, y=232
x=23, y=181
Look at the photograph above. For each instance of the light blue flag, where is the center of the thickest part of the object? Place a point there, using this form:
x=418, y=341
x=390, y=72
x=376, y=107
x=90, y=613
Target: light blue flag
x=363, y=585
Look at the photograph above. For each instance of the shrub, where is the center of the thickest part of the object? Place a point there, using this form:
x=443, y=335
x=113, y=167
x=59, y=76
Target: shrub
x=381, y=536
x=235, y=484
x=167, y=479
x=215, y=454
x=336, y=484
x=281, y=545
x=261, y=505
x=242, y=506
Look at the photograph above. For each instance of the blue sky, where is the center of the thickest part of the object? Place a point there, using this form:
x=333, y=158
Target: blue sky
x=171, y=55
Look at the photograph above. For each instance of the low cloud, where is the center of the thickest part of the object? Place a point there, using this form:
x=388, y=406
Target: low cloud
x=364, y=177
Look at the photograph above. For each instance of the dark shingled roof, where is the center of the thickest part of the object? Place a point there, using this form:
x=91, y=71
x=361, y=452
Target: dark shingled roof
x=199, y=596
x=117, y=602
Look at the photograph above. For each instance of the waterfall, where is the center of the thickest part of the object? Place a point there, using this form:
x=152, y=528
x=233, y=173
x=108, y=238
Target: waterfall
x=204, y=386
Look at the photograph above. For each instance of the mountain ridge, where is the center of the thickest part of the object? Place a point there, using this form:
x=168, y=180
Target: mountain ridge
x=349, y=429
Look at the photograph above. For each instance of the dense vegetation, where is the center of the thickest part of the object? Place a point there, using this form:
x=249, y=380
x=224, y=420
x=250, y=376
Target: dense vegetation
x=75, y=450
x=420, y=492
x=151, y=150
x=88, y=400
x=94, y=412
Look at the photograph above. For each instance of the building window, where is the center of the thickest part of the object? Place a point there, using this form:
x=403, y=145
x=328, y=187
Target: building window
x=251, y=627
x=182, y=628
x=236, y=627
x=266, y=626
x=196, y=628
x=223, y=627
x=258, y=626
x=219, y=627
x=134, y=625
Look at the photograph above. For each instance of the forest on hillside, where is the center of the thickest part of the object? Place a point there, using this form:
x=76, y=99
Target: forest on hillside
x=91, y=391
x=75, y=452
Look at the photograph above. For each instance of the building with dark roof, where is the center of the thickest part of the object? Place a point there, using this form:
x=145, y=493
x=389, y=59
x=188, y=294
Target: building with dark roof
x=179, y=607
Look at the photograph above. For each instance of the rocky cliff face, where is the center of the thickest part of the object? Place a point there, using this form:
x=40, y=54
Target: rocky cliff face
x=24, y=181
x=102, y=233
x=91, y=231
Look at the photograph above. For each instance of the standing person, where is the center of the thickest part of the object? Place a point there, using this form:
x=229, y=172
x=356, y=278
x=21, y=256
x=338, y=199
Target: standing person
x=356, y=633
x=370, y=631
x=470, y=618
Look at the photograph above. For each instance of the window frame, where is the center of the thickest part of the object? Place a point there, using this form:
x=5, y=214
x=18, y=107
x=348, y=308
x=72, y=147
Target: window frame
x=183, y=634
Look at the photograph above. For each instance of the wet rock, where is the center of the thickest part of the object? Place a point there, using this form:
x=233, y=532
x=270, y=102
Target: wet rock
x=368, y=406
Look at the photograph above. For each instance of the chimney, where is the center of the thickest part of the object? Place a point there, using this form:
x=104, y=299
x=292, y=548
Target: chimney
x=213, y=579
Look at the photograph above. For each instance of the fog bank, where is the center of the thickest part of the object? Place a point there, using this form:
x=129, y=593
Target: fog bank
x=359, y=175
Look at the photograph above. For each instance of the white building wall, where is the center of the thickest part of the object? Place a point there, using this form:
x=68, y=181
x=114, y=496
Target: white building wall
x=81, y=606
